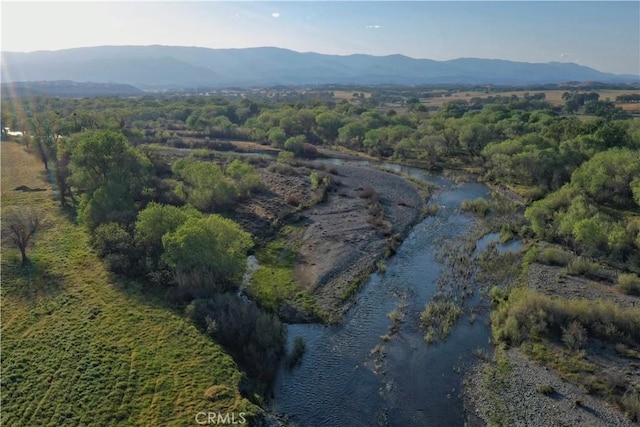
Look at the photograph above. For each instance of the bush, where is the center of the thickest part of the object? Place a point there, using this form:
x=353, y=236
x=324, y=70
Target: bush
x=254, y=337
x=554, y=256
x=292, y=200
x=527, y=315
x=630, y=402
x=478, y=206
x=574, y=336
x=368, y=192
x=629, y=284
x=114, y=243
x=282, y=169
x=438, y=318
x=582, y=267
x=546, y=389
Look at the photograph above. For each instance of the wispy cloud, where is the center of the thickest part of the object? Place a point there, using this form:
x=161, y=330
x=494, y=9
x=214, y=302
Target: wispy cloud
x=276, y=14
x=374, y=27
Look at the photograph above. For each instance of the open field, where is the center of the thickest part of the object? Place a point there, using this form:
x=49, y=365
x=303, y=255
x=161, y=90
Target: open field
x=82, y=348
x=553, y=96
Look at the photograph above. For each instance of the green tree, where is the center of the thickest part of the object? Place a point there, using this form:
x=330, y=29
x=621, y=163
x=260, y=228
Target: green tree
x=204, y=185
x=606, y=178
x=212, y=248
x=111, y=175
x=277, y=137
x=328, y=124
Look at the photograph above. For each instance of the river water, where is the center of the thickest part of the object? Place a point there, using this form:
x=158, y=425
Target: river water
x=351, y=376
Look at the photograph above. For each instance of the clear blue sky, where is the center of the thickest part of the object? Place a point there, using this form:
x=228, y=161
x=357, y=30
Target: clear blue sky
x=602, y=35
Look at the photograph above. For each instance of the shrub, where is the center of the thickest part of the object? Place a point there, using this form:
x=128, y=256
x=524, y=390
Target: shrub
x=309, y=151
x=478, y=206
x=439, y=317
x=554, y=256
x=292, y=200
x=582, y=267
x=315, y=180
x=254, y=337
x=574, y=336
x=368, y=192
x=286, y=157
x=546, y=389
x=629, y=284
x=527, y=315
x=630, y=402
x=281, y=168
x=114, y=243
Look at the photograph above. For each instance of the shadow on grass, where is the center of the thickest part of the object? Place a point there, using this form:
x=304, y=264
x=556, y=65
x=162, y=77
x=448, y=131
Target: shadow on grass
x=32, y=281
x=70, y=213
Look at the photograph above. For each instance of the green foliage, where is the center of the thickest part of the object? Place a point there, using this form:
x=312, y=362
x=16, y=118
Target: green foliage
x=606, y=178
x=528, y=315
x=546, y=389
x=582, y=267
x=438, y=318
x=157, y=219
x=213, y=246
x=111, y=175
x=204, y=185
x=629, y=284
x=478, y=206
x=586, y=211
x=574, y=336
x=254, y=337
x=630, y=402
x=273, y=284
x=295, y=144
x=245, y=176
x=153, y=222
x=555, y=256
x=315, y=180
x=116, y=246
x=104, y=156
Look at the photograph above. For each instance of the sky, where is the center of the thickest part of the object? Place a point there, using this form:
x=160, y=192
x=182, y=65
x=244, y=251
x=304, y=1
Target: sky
x=601, y=35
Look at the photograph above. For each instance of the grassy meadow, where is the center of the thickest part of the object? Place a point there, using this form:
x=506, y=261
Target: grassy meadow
x=80, y=347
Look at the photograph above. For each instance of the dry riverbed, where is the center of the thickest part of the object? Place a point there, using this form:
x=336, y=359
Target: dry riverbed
x=521, y=391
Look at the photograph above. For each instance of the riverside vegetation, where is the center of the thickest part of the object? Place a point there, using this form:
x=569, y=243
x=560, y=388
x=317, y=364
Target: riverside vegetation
x=157, y=187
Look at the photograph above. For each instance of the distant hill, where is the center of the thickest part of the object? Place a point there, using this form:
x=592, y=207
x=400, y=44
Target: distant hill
x=169, y=67
x=67, y=89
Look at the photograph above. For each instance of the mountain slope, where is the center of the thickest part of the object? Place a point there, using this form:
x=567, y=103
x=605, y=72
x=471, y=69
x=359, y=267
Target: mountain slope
x=155, y=67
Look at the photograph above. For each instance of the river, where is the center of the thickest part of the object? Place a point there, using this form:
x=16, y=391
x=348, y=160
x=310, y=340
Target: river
x=351, y=375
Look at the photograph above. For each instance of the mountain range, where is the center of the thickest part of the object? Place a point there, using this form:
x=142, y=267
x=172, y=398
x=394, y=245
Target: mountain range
x=172, y=67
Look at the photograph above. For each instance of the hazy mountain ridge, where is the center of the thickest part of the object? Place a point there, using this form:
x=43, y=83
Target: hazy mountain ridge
x=155, y=67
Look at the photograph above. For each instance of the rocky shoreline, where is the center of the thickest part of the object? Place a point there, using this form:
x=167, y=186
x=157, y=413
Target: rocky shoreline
x=343, y=241
x=518, y=401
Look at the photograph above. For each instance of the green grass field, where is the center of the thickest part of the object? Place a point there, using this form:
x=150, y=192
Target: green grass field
x=80, y=347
